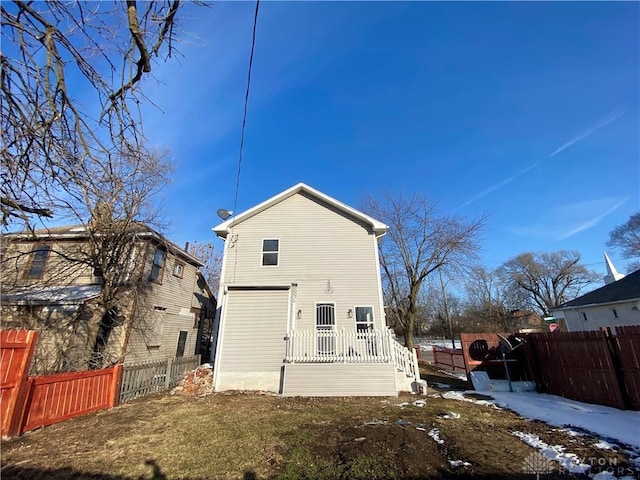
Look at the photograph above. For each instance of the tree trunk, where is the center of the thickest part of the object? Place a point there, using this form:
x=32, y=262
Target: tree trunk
x=408, y=331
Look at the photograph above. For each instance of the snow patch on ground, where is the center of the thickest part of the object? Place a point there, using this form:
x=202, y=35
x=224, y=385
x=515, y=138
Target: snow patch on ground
x=461, y=396
x=568, y=461
x=608, y=423
x=615, y=429
x=435, y=434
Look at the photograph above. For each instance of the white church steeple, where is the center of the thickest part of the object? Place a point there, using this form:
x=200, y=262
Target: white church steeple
x=612, y=273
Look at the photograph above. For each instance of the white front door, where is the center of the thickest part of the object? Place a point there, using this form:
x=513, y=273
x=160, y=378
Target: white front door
x=325, y=328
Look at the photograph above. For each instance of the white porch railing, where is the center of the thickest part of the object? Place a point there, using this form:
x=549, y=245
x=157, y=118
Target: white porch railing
x=405, y=360
x=337, y=346
x=350, y=346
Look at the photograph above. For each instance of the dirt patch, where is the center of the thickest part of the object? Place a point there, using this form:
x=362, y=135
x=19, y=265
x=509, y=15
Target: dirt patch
x=381, y=451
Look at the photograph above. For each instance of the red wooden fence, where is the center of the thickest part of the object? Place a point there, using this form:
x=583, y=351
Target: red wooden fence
x=16, y=351
x=55, y=398
x=34, y=402
x=449, y=358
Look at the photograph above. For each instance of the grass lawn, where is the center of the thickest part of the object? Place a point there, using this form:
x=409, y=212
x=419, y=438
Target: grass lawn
x=250, y=436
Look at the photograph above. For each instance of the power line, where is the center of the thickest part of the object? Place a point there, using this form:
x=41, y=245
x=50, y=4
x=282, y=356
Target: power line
x=246, y=103
x=244, y=124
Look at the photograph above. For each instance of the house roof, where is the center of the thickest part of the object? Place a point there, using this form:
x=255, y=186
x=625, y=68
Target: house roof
x=65, y=295
x=627, y=288
x=80, y=231
x=223, y=229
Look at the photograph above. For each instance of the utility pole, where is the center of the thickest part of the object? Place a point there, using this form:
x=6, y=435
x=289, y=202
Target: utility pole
x=446, y=309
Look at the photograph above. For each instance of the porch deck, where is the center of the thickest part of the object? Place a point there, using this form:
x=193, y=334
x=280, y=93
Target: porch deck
x=347, y=362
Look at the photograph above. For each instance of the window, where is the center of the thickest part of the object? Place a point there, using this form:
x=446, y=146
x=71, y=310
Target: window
x=39, y=260
x=364, y=319
x=178, y=269
x=584, y=316
x=158, y=266
x=270, y=252
x=182, y=340
x=364, y=323
x=615, y=313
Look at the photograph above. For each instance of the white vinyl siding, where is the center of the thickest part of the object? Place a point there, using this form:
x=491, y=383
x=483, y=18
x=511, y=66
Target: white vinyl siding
x=331, y=256
x=329, y=259
x=327, y=380
x=601, y=316
x=252, y=347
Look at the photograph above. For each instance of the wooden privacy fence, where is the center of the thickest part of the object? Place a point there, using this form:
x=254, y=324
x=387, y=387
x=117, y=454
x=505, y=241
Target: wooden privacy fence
x=626, y=344
x=145, y=378
x=16, y=350
x=32, y=402
x=27, y=403
x=594, y=366
x=448, y=358
x=598, y=367
x=55, y=398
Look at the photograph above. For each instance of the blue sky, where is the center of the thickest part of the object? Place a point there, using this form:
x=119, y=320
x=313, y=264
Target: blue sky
x=525, y=111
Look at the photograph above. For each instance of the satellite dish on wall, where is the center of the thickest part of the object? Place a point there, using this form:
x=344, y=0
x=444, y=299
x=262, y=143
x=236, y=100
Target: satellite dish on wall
x=223, y=214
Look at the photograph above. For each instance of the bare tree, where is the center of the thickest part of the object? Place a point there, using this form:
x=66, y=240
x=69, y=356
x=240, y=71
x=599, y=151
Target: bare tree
x=626, y=239
x=443, y=309
x=117, y=196
x=419, y=242
x=74, y=147
x=69, y=81
x=492, y=299
x=548, y=279
x=212, y=260
x=211, y=269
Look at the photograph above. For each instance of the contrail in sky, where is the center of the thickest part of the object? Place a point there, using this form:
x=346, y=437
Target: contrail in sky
x=606, y=121
x=602, y=123
x=593, y=222
x=498, y=185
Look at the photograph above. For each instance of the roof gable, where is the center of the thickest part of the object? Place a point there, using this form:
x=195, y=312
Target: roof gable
x=627, y=288
x=81, y=232
x=224, y=228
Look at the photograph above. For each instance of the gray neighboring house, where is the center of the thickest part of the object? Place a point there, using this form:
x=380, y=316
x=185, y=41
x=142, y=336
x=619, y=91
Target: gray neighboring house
x=300, y=308
x=48, y=285
x=615, y=304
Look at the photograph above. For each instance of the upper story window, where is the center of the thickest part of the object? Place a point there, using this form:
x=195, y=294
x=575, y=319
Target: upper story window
x=270, y=250
x=39, y=261
x=158, y=265
x=178, y=269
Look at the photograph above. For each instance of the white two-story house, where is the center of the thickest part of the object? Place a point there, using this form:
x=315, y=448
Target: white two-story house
x=300, y=308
